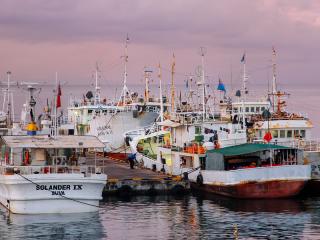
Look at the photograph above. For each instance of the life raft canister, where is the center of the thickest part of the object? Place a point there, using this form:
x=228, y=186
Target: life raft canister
x=6, y=157
x=26, y=158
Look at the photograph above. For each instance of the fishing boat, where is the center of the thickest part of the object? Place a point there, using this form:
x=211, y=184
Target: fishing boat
x=235, y=168
x=49, y=174
x=272, y=123
x=253, y=171
x=110, y=120
x=184, y=133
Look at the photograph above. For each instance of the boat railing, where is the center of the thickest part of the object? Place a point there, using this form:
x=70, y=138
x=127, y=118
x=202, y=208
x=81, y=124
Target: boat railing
x=144, y=131
x=87, y=170
x=283, y=172
x=306, y=145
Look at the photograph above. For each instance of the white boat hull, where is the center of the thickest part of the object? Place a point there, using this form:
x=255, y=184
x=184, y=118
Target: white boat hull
x=51, y=193
x=110, y=129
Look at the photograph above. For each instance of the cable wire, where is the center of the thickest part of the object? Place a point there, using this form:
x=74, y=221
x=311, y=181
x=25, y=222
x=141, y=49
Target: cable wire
x=71, y=199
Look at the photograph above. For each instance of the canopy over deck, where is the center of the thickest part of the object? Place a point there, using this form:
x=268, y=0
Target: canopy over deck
x=245, y=149
x=44, y=141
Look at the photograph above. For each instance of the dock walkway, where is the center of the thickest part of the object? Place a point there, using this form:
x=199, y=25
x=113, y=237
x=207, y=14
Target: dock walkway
x=125, y=181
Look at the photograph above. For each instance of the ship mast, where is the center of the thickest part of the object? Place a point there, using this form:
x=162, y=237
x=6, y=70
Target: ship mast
x=97, y=98
x=160, y=93
x=9, y=96
x=274, y=82
x=244, y=78
x=172, y=85
x=202, y=53
x=147, y=76
x=125, y=91
x=244, y=90
x=277, y=96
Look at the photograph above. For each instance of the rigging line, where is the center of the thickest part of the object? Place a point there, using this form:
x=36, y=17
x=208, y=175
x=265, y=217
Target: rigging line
x=112, y=66
x=187, y=75
x=114, y=150
x=71, y=199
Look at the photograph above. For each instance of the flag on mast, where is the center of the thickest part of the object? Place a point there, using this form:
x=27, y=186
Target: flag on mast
x=267, y=137
x=221, y=86
x=58, y=103
x=243, y=59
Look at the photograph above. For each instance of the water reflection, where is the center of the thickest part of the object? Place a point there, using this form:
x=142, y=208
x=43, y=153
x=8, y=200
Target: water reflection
x=50, y=226
x=257, y=219
x=294, y=205
x=163, y=217
x=208, y=218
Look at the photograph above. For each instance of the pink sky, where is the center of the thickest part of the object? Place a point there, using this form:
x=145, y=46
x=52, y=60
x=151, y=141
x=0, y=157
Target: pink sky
x=40, y=37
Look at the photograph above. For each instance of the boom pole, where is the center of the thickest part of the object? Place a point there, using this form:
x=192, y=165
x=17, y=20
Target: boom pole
x=160, y=93
x=172, y=85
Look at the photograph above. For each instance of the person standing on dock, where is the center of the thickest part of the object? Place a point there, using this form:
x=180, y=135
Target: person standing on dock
x=131, y=159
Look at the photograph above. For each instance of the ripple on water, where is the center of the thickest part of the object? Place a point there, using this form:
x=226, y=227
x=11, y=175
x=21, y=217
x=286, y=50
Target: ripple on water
x=174, y=218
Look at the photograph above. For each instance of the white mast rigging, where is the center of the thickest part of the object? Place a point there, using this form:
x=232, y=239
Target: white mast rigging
x=160, y=93
x=147, y=76
x=125, y=95
x=8, y=98
x=202, y=53
x=97, y=98
x=172, y=85
x=244, y=78
x=274, y=80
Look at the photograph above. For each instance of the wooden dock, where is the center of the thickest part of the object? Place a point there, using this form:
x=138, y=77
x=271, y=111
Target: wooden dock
x=125, y=181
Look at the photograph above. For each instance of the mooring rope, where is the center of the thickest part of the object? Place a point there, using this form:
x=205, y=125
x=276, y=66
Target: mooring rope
x=71, y=199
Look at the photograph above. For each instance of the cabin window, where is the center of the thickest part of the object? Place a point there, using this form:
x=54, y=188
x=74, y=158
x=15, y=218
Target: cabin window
x=282, y=133
x=247, y=109
x=303, y=133
x=240, y=109
x=202, y=163
x=296, y=133
x=252, y=109
x=90, y=111
x=289, y=134
x=197, y=130
x=275, y=133
x=262, y=109
x=186, y=162
x=235, y=109
x=257, y=109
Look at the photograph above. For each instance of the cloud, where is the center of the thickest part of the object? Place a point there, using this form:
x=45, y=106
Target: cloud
x=151, y=21
x=82, y=31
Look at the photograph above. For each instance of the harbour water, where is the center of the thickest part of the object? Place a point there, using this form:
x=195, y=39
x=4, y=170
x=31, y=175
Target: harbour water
x=165, y=217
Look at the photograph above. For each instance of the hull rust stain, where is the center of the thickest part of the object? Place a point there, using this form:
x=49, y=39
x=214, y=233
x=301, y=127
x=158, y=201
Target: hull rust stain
x=255, y=190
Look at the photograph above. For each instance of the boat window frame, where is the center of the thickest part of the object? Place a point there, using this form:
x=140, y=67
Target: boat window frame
x=275, y=131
